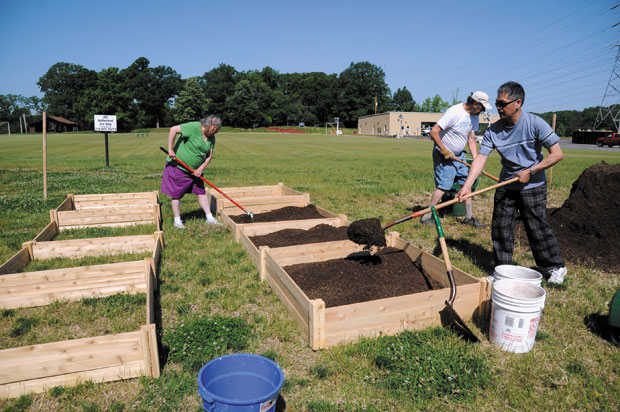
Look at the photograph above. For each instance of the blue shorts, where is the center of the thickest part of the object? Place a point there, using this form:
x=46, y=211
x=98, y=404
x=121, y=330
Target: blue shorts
x=448, y=172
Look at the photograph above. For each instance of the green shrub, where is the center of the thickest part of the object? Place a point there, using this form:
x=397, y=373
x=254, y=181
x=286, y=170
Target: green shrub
x=198, y=340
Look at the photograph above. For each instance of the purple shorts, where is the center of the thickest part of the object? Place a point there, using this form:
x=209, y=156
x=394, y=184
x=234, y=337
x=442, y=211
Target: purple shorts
x=176, y=183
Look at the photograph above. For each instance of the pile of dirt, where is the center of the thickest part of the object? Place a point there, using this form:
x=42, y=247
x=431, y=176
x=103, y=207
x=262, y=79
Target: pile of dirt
x=367, y=232
x=587, y=225
x=284, y=213
x=362, y=277
x=290, y=237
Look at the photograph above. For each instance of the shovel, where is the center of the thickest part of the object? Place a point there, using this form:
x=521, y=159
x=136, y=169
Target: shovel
x=449, y=317
x=449, y=202
x=209, y=183
x=369, y=231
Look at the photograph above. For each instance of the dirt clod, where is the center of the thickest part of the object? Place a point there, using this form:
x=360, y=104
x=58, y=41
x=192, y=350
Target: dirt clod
x=367, y=232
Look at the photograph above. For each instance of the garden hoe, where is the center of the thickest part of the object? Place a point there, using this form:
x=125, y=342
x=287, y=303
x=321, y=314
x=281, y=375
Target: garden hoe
x=368, y=231
x=209, y=183
x=449, y=317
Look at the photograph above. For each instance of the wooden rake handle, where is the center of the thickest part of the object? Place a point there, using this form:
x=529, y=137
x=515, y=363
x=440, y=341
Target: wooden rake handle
x=483, y=172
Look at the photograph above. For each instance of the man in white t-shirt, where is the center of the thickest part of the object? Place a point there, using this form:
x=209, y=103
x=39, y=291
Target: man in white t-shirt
x=451, y=134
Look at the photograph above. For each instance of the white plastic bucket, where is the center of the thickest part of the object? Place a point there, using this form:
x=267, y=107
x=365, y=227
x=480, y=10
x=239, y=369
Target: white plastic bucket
x=517, y=273
x=515, y=314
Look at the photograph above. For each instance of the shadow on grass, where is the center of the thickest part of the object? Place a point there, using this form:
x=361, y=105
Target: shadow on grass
x=597, y=324
x=480, y=256
x=194, y=214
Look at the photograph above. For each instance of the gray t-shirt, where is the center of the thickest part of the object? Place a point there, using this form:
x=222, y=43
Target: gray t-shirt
x=520, y=147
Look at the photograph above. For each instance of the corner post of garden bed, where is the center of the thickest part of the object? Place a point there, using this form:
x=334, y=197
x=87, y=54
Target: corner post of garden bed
x=316, y=327
x=391, y=238
x=483, y=312
x=262, y=269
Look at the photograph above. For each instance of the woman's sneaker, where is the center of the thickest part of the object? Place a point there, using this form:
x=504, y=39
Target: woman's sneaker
x=556, y=276
x=212, y=221
x=179, y=225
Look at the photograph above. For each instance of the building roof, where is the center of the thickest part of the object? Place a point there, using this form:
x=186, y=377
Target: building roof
x=61, y=119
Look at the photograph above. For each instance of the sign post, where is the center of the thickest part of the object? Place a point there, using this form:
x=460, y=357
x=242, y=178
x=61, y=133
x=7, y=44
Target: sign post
x=105, y=123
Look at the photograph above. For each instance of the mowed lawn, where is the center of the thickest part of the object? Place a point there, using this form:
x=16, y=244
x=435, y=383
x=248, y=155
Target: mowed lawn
x=206, y=277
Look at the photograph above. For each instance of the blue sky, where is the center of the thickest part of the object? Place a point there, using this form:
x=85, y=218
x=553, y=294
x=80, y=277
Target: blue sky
x=558, y=49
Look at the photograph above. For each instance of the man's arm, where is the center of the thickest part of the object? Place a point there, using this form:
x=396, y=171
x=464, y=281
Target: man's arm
x=555, y=155
x=476, y=167
x=473, y=146
x=437, y=139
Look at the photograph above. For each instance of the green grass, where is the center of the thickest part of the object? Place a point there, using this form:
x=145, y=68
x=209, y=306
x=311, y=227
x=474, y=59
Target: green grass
x=206, y=275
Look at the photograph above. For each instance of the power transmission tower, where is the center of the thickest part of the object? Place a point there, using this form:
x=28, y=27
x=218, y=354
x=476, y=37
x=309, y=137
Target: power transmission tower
x=610, y=105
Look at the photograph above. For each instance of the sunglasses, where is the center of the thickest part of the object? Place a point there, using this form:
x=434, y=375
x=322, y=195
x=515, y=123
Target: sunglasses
x=501, y=104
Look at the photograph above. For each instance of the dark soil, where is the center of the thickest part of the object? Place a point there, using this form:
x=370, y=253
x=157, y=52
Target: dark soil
x=367, y=232
x=362, y=277
x=290, y=237
x=587, y=225
x=285, y=213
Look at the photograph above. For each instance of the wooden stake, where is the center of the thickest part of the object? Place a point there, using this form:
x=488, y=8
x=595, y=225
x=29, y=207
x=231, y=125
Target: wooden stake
x=44, y=157
x=551, y=168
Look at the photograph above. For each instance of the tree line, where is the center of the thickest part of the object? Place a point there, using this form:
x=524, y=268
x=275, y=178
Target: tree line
x=142, y=96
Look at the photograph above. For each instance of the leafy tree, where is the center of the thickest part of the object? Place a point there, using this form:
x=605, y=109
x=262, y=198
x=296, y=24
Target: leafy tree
x=402, y=101
x=108, y=96
x=359, y=85
x=152, y=89
x=434, y=105
x=192, y=102
x=219, y=85
x=243, y=106
x=63, y=85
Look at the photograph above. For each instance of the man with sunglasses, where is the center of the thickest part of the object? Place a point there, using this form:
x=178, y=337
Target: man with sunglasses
x=451, y=134
x=519, y=137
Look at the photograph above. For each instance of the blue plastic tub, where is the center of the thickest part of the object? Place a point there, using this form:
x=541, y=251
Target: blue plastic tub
x=241, y=382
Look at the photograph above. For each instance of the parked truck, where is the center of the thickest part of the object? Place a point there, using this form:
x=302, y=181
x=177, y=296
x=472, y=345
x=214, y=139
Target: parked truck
x=609, y=140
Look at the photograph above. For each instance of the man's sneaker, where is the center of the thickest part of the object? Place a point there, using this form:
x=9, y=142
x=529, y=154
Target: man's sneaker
x=427, y=219
x=472, y=221
x=179, y=225
x=556, y=276
x=212, y=221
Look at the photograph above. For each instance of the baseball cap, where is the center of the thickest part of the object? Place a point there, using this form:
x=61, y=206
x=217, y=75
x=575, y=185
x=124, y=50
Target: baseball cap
x=482, y=98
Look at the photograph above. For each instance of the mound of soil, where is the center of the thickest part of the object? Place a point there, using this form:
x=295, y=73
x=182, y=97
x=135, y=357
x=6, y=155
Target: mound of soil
x=284, y=213
x=587, y=225
x=290, y=237
x=367, y=232
x=362, y=277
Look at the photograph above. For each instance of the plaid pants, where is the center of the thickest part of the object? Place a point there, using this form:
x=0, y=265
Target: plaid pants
x=532, y=205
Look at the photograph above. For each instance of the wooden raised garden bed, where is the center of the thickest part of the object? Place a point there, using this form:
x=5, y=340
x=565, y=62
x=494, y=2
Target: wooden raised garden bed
x=260, y=229
x=107, y=210
x=331, y=326
x=255, y=198
x=37, y=368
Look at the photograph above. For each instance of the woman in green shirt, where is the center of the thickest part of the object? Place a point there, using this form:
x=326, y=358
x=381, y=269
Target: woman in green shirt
x=195, y=148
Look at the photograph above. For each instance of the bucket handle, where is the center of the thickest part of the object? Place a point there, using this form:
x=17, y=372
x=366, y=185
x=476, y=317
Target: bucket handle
x=211, y=402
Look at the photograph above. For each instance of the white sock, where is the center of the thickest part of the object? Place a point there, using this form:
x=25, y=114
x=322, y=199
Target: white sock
x=177, y=219
x=209, y=216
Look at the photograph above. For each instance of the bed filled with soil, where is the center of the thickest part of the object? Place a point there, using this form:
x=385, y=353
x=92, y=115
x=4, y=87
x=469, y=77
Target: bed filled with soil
x=290, y=237
x=284, y=213
x=587, y=225
x=362, y=277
